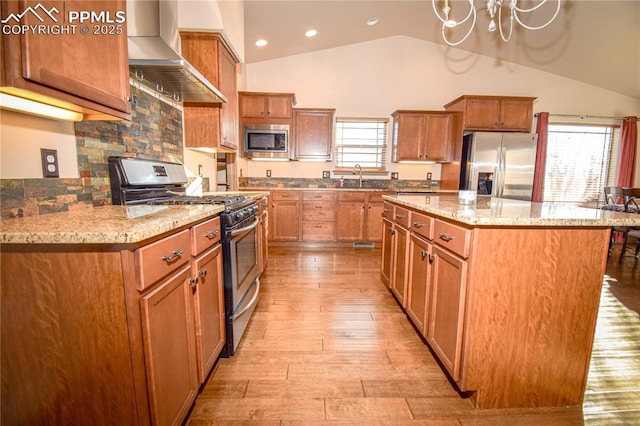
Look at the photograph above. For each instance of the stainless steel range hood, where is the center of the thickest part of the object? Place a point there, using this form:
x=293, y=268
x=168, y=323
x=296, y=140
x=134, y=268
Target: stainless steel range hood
x=154, y=63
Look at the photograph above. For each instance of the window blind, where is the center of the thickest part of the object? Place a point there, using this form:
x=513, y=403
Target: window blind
x=581, y=161
x=361, y=141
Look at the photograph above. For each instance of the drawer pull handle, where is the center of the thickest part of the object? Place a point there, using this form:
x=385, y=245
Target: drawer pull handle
x=400, y=216
x=176, y=254
x=418, y=224
x=211, y=234
x=387, y=210
x=446, y=237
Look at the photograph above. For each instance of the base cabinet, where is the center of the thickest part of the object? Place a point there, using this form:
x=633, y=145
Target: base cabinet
x=387, y=251
x=400, y=253
x=103, y=334
x=284, y=216
x=169, y=347
x=359, y=216
x=419, y=281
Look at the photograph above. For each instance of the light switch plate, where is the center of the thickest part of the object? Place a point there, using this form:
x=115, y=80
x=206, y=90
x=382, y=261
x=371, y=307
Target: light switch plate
x=49, y=159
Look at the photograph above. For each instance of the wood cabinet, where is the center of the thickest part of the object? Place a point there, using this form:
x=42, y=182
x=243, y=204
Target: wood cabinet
x=263, y=234
x=425, y=135
x=94, y=80
x=113, y=320
x=359, y=216
x=419, y=281
x=387, y=251
x=284, y=216
x=212, y=125
x=400, y=251
x=318, y=215
x=502, y=113
x=271, y=108
x=313, y=133
x=169, y=346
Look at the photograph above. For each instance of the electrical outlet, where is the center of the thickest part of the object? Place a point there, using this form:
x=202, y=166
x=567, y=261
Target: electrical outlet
x=429, y=176
x=49, y=159
x=394, y=175
x=326, y=174
x=268, y=173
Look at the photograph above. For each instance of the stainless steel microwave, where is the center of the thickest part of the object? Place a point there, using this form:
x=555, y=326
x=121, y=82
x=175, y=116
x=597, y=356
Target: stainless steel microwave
x=266, y=141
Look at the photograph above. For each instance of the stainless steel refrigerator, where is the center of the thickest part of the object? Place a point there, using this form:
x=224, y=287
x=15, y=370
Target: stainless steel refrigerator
x=499, y=164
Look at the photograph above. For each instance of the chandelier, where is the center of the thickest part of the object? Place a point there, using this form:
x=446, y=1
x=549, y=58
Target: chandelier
x=494, y=9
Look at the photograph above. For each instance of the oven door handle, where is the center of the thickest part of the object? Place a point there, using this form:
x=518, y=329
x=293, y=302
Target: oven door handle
x=251, y=303
x=245, y=229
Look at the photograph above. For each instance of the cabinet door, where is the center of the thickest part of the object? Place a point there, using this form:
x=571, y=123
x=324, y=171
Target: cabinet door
x=482, y=114
x=399, y=279
x=278, y=106
x=516, y=114
x=169, y=347
x=408, y=130
x=263, y=246
x=374, y=222
x=350, y=220
x=208, y=295
x=284, y=221
x=388, y=238
x=418, y=281
x=446, y=310
x=253, y=106
x=313, y=134
x=438, y=137
x=227, y=84
x=94, y=66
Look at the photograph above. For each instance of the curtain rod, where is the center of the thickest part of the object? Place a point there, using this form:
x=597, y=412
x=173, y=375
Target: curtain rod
x=582, y=116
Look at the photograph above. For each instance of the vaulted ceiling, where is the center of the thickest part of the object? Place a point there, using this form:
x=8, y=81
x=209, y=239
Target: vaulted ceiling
x=596, y=42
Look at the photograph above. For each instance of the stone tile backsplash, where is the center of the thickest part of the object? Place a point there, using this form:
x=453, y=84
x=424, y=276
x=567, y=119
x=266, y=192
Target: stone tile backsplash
x=154, y=133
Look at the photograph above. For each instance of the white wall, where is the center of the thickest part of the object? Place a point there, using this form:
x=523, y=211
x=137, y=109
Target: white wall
x=378, y=77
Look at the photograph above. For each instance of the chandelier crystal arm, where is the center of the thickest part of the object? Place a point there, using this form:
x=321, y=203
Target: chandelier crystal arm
x=445, y=10
x=516, y=10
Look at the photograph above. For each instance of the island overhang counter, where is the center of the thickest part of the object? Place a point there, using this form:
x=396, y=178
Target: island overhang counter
x=504, y=292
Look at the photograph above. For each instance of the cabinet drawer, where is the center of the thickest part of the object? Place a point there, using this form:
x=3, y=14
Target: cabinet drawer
x=422, y=225
x=388, y=211
x=159, y=259
x=320, y=210
x=285, y=196
x=351, y=196
x=401, y=216
x=319, y=196
x=205, y=235
x=318, y=231
x=452, y=237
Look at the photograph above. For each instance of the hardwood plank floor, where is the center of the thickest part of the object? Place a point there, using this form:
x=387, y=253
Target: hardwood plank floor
x=328, y=345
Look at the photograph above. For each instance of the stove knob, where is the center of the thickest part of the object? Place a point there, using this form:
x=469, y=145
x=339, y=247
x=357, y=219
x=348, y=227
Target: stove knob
x=239, y=215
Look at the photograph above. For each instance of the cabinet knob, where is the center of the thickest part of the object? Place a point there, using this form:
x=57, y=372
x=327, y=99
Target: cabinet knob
x=432, y=257
x=202, y=273
x=193, y=281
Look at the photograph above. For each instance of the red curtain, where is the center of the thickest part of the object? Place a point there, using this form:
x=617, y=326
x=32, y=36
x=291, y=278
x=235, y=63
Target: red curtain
x=628, y=144
x=542, y=128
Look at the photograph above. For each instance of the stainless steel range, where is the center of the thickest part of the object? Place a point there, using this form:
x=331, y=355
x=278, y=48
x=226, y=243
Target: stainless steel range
x=135, y=181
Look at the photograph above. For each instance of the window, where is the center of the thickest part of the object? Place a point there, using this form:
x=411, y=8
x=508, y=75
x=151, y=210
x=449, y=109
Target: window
x=361, y=141
x=581, y=161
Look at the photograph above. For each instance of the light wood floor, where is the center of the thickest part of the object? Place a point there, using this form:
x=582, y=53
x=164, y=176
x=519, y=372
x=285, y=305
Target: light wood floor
x=329, y=345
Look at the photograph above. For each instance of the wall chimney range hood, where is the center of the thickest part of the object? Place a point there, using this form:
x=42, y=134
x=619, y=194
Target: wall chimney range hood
x=155, y=64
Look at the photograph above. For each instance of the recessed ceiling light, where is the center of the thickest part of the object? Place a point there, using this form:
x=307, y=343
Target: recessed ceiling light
x=372, y=21
x=311, y=33
x=261, y=43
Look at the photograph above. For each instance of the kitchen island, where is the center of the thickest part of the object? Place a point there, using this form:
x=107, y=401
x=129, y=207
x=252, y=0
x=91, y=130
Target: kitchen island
x=504, y=292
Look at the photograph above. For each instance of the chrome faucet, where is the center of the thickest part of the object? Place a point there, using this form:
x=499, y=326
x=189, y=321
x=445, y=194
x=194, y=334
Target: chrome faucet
x=358, y=169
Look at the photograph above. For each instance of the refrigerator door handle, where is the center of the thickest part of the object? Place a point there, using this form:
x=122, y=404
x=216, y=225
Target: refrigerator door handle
x=500, y=171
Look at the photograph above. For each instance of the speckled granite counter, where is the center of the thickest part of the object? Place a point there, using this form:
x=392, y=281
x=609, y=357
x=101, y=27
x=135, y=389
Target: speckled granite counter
x=103, y=225
x=398, y=190
x=505, y=212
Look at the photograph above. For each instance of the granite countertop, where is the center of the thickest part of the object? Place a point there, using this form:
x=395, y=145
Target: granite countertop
x=103, y=225
x=489, y=211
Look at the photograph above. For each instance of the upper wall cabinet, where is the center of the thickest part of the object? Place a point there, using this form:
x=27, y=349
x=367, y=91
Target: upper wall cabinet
x=503, y=113
x=212, y=126
x=313, y=133
x=267, y=108
x=425, y=135
x=83, y=72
